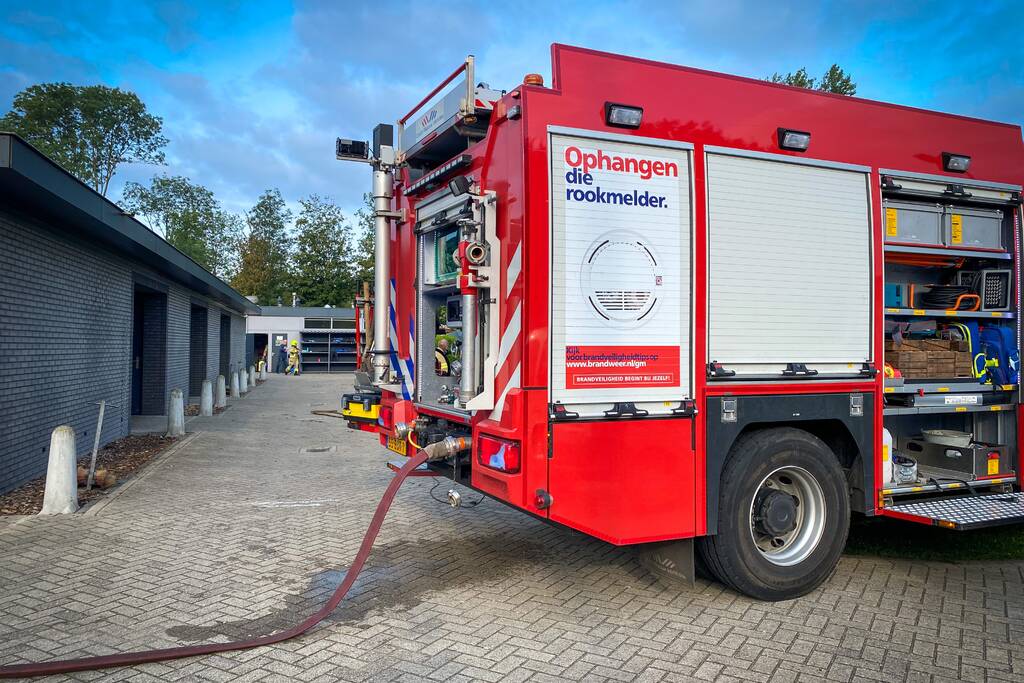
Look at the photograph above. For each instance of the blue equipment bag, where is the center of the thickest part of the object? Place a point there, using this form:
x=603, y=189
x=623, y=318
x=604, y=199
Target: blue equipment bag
x=999, y=345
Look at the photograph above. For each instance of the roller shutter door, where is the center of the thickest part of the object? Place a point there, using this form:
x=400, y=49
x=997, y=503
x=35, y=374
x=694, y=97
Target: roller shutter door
x=789, y=274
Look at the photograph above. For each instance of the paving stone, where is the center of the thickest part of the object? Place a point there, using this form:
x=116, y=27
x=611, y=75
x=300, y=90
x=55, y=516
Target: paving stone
x=240, y=534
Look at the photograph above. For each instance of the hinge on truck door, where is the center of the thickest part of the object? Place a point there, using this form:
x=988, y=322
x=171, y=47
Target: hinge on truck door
x=868, y=370
x=686, y=408
x=626, y=410
x=557, y=411
x=798, y=369
x=715, y=369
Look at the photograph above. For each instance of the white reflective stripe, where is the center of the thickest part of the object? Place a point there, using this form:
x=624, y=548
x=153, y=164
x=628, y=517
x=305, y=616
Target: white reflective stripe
x=512, y=272
x=510, y=336
x=499, y=405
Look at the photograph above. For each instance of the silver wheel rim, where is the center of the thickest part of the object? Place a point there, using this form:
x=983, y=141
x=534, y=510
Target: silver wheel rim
x=795, y=545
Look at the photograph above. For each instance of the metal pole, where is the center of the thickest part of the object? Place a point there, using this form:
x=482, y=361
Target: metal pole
x=95, y=446
x=383, y=191
x=467, y=385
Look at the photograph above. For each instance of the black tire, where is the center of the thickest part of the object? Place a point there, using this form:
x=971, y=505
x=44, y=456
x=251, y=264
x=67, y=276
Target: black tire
x=735, y=558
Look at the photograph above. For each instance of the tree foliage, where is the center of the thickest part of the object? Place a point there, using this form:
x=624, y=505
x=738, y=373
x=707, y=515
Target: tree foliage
x=321, y=266
x=189, y=217
x=89, y=130
x=264, y=250
x=362, y=257
x=835, y=80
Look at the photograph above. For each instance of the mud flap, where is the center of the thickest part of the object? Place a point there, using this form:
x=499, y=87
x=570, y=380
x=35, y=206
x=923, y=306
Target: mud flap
x=670, y=560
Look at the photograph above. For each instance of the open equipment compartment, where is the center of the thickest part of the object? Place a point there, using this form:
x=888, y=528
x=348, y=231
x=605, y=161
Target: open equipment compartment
x=952, y=340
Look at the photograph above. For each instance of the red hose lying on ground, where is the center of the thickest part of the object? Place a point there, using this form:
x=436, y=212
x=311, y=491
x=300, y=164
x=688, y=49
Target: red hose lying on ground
x=127, y=658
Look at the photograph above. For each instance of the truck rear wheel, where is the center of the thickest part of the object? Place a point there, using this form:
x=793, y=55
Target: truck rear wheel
x=783, y=515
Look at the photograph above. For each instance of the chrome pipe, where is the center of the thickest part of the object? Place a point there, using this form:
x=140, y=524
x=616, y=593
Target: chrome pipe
x=383, y=192
x=467, y=383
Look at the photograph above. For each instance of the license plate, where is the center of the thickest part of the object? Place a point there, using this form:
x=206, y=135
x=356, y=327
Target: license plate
x=396, y=445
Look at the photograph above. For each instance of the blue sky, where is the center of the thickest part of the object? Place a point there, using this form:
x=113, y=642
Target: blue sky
x=254, y=93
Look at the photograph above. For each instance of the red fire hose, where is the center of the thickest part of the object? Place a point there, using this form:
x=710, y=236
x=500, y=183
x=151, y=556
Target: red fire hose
x=146, y=656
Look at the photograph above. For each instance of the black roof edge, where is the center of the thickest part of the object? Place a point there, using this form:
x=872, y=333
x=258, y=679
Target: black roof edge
x=33, y=179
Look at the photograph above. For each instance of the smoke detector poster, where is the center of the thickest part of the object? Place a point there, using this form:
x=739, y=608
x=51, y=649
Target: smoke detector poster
x=620, y=218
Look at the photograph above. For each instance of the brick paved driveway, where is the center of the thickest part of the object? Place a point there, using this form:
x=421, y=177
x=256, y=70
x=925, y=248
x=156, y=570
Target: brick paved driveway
x=238, y=533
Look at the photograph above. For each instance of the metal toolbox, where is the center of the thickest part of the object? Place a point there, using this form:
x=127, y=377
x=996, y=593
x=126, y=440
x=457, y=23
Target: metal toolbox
x=910, y=223
x=971, y=462
x=964, y=228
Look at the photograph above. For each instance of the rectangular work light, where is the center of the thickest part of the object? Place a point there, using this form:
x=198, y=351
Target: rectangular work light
x=622, y=115
x=794, y=140
x=356, y=150
x=958, y=163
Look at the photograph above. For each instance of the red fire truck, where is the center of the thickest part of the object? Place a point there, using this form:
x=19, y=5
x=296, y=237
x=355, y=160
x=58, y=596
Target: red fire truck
x=703, y=313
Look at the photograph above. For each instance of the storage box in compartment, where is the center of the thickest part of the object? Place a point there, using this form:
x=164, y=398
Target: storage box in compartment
x=965, y=228
x=977, y=461
x=908, y=223
x=929, y=358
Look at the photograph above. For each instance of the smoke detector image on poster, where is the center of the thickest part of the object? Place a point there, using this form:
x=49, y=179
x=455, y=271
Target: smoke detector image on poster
x=620, y=278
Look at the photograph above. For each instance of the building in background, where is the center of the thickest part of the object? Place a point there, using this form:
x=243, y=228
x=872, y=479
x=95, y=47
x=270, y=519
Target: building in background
x=326, y=336
x=94, y=305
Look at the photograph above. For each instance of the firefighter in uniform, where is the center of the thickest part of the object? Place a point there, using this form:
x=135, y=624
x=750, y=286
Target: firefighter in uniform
x=293, y=359
x=441, y=366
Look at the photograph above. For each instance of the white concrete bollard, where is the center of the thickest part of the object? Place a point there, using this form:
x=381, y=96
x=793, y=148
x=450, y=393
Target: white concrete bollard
x=222, y=393
x=234, y=384
x=264, y=375
x=206, y=399
x=252, y=376
x=243, y=382
x=176, y=414
x=61, y=494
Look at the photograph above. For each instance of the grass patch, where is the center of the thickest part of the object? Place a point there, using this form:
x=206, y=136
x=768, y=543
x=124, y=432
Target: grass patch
x=907, y=540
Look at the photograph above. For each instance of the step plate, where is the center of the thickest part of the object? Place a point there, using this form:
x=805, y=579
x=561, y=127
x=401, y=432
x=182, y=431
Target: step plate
x=964, y=512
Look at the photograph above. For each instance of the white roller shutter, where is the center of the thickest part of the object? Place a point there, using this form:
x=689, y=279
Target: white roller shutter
x=620, y=272
x=789, y=266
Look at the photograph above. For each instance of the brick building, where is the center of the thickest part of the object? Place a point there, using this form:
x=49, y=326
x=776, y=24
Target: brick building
x=94, y=305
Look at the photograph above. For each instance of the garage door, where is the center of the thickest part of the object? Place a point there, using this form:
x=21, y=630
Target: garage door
x=789, y=266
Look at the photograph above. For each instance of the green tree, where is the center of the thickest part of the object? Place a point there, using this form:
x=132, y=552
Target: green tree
x=89, y=130
x=189, y=217
x=321, y=267
x=264, y=250
x=835, y=80
x=362, y=256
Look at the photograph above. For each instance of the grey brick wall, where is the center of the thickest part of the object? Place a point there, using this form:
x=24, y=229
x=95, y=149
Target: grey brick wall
x=154, y=355
x=199, y=330
x=65, y=342
x=66, y=309
x=179, y=311
x=213, y=343
x=237, y=342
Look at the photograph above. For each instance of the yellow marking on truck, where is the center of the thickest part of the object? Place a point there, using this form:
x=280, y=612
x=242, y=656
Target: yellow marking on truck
x=956, y=223
x=889, y=390
x=919, y=311
x=942, y=389
x=891, y=222
x=993, y=465
x=995, y=407
x=961, y=409
x=997, y=314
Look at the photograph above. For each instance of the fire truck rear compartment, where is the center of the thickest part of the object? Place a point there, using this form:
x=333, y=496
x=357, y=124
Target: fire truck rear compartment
x=951, y=299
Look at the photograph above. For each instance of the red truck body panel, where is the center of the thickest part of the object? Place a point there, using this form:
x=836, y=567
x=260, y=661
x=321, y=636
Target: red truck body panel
x=639, y=481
